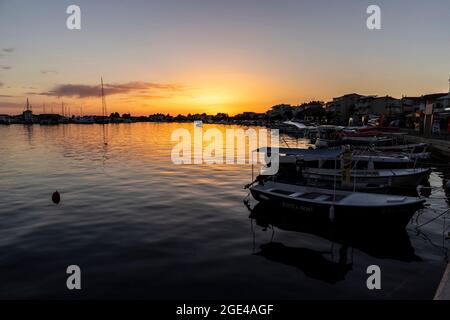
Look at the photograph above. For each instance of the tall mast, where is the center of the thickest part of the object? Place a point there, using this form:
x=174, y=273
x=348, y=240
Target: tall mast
x=103, y=101
x=28, y=107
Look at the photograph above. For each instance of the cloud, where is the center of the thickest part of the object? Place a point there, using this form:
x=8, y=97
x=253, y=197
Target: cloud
x=49, y=72
x=88, y=91
x=8, y=50
x=10, y=105
x=5, y=67
x=6, y=96
x=1, y=84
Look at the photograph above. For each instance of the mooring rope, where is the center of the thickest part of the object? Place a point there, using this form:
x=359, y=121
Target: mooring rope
x=433, y=219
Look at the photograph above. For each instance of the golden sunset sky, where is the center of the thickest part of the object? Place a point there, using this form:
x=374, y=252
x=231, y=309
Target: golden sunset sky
x=217, y=56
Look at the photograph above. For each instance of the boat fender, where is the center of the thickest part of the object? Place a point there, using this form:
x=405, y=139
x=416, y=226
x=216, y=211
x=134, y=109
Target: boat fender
x=419, y=189
x=331, y=214
x=447, y=185
x=56, y=197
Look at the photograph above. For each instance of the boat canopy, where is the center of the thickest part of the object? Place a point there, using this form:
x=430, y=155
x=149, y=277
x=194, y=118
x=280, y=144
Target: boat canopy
x=299, y=125
x=312, y=153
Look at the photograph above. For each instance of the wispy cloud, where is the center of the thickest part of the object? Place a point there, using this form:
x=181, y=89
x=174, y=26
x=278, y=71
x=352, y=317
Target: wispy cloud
x=49, y=72
x=10, y=105
x=88, y=91
x=6, y=96
x=5, y=67
x=8, y=50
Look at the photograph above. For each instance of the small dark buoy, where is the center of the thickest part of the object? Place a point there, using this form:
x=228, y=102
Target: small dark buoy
x=56, y=198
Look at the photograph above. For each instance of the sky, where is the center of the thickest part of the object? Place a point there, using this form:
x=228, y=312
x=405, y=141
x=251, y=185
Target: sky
x=195, y=56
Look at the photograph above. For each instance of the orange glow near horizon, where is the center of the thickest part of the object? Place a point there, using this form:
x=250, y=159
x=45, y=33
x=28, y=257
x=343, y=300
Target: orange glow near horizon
x=210, y=100
x=228, y=93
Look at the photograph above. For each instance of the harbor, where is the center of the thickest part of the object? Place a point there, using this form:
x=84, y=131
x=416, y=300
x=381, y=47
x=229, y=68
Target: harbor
x=106, y=201
x=214, y=158
x=344, y=185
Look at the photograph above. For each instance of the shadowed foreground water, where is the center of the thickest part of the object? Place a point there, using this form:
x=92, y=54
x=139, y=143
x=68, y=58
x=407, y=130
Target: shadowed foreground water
x=141, y=227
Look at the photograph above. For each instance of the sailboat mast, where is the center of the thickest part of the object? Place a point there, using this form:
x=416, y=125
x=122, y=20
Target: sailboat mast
x=103, y=101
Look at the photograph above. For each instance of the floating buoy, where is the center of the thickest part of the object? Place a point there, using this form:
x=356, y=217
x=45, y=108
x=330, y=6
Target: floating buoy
x=56, y=198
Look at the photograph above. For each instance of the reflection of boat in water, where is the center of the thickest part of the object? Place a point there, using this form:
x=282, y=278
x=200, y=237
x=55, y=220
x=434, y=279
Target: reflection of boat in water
x=312, y=263
x=391, y=243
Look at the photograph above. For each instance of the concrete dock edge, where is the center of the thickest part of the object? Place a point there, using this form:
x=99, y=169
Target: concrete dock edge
x=443, y=291
x=438, y=145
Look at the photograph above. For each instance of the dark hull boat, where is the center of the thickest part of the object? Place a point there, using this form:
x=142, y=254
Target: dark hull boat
x=339, y=206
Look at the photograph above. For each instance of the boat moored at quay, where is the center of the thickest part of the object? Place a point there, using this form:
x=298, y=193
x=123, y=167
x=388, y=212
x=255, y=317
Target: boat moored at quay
x=340, y=206
x=344, y=186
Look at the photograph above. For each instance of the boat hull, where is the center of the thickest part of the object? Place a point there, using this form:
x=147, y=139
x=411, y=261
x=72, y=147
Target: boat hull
x=370, y=216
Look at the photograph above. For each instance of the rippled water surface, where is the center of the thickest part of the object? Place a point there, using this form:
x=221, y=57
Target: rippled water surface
x=141, y=227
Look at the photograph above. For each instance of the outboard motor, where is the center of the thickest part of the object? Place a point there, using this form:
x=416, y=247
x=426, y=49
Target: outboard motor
x=299, y=164
x=447, y=185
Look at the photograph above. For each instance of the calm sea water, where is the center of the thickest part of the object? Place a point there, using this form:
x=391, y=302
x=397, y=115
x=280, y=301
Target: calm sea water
x=141, y=227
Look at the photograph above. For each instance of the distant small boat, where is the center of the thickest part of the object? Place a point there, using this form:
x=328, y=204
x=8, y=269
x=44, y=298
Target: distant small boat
x=84, y=120
x=338, y=205
x=4, y=119
x=352, y=140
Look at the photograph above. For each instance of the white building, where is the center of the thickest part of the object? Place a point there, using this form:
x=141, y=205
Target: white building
x=343, y=106
x=373, y=105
